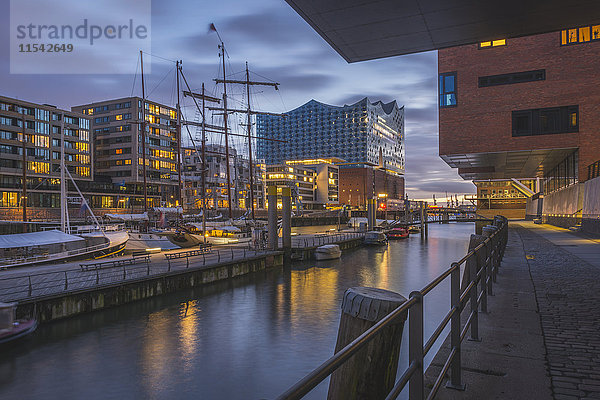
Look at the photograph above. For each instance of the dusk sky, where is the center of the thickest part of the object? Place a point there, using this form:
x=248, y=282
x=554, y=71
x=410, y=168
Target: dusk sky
x=279, y=46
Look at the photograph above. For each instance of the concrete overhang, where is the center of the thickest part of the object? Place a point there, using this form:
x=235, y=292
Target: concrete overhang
x=507, y=164
x=363, y=30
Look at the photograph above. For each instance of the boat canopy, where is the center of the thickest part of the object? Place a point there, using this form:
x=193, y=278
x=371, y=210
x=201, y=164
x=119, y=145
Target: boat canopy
x=229, y=228
x=36, y=239
x=128, y=217
x=169, y=210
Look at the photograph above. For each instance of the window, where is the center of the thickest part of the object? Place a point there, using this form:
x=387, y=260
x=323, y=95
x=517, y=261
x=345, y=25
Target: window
x=447, y=89
x=515, y=77
x=545, y=121
x=582, y=34
x=492, y=43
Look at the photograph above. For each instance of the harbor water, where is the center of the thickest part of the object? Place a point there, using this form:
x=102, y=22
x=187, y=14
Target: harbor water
x=249, y=338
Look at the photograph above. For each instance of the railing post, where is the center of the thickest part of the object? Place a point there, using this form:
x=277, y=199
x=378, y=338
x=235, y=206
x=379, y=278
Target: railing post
x=204, y=258
x=486, y=261
x=473, y=266
x=66, y=281
x=455, y=367
x=124, y=273
x=30, y=287
x=415, y=346
x=148, y=267
x=187, y=262
x=490, y=266
x=232, y=253
x=218, y=256
x=97, y=276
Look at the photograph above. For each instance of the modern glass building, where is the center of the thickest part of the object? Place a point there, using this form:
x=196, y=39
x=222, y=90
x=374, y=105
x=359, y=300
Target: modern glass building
x=361, y=133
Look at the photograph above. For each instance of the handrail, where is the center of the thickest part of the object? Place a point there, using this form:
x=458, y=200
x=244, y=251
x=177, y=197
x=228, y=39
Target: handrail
x=75, y=252
x=22, y=287
x=483, y=275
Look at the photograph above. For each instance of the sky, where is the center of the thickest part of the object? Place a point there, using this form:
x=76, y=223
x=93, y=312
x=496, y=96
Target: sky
x=279, y=46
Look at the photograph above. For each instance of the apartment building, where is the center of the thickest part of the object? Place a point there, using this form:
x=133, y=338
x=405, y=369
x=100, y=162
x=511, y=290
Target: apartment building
x=116, y=126
x=31, y=139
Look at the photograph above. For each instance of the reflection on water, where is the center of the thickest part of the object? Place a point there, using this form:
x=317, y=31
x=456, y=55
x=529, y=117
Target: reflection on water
x=249, y=338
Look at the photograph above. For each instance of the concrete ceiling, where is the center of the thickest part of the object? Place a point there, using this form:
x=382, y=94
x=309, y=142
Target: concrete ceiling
x=362, y=30
x=506, y=165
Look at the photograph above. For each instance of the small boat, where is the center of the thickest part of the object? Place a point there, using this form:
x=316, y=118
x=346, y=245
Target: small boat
x=375, y=237
x=398, y=233
x=414, y=229
x=11, y=328
x=328, y=252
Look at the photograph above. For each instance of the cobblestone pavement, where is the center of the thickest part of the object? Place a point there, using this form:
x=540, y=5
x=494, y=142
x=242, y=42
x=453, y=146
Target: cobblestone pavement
x=567, y=290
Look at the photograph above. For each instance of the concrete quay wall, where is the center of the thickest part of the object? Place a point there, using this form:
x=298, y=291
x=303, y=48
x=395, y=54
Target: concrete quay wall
x=590, y=215
x=69, y=304
x=576, y=204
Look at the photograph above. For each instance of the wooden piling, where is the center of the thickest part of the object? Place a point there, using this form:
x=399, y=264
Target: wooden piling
x=371, y=372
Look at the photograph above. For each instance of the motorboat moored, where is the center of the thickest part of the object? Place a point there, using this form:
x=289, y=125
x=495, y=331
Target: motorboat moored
x=398, y=233
x=414, y=229
x=328, y=252
x=12, y=328
x=375, y=237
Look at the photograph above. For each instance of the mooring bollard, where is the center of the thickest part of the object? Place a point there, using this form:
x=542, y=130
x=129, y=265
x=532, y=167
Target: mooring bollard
x=371, y=372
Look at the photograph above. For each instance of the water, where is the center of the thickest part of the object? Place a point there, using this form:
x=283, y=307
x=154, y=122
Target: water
x=250, y=338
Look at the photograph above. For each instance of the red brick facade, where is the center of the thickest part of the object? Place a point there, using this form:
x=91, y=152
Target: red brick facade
x=481, y=122
x=356, y=185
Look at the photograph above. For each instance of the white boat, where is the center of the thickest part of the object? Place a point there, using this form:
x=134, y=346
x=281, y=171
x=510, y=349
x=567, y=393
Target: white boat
x=375, y=237
x=54, y=245
x=150, y=240
x=328, y=252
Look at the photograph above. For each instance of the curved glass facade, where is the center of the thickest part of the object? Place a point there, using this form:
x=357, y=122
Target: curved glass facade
x=363, y=132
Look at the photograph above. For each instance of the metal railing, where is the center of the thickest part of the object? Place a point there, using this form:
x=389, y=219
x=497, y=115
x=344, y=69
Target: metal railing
x=7, y=262
x=37, y=285
x=483, y=263
x=326, y=238
x=594, y=170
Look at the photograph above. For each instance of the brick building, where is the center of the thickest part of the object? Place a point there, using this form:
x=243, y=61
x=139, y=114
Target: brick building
x=525, y=108
x=356, y=185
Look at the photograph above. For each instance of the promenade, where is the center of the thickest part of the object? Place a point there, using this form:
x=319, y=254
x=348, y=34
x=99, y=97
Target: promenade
x=36, y=281
x=541, y=336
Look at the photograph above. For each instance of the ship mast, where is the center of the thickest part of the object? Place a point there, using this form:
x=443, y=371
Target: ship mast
x=144, y=135
x=250, y=143
x=222, y=47
x=217, y=129
x=247, y=82
x=24, y=161
x=179, y=158
x=64, y=213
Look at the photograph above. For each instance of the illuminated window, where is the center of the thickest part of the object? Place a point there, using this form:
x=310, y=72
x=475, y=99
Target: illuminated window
x=492, y=43
x=447, y=89
x=38, y=167
x=127, y=162
x=580, y=35
x=118, y=151
x=119, y=117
